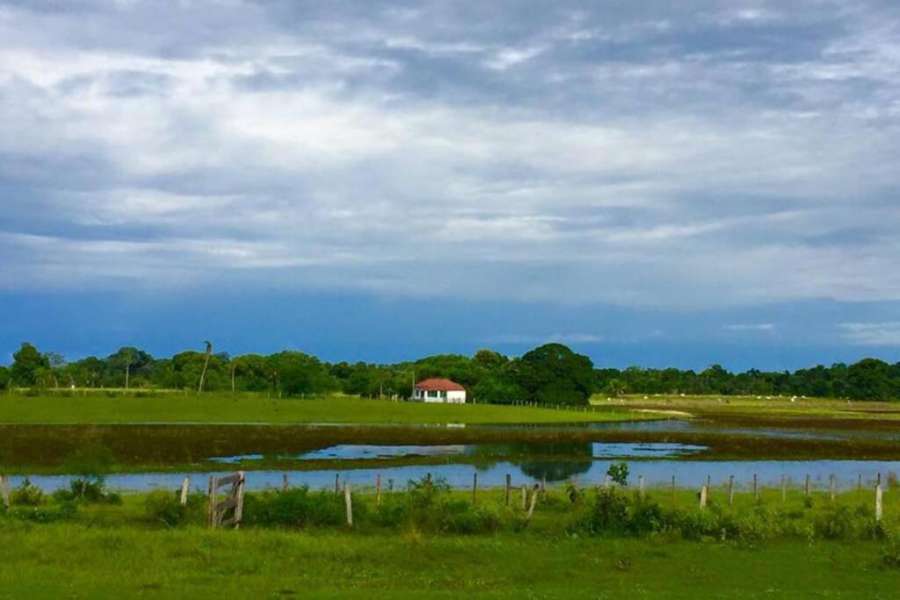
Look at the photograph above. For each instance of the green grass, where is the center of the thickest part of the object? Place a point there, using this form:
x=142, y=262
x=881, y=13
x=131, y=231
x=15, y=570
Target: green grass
x=114, y=552
x=75, y=408
x=74, y=561
x=755, y=406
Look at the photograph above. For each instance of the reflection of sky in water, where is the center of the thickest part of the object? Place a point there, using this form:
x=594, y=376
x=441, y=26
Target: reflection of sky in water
x=715, y=427
x=656, y=472
x=363, y=451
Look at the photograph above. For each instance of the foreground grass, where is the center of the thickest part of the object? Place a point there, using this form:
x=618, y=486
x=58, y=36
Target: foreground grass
x=78, y=561
x=114, y=551
x=97, y=409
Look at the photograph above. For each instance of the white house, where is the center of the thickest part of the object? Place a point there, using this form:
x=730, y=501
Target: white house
x=441, y=391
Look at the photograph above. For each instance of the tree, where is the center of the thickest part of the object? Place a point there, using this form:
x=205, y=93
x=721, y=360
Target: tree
x=209, y=350
x=4, y=378
x=296, y=373
x=28, y=363
x=553, y=374
x=129, y=360
x=870, y=379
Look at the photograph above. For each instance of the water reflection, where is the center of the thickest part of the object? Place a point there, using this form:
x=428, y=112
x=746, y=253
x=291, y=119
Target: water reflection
x=655, y=472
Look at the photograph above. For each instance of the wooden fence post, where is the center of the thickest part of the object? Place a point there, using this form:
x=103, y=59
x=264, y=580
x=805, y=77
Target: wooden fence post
x=508, y=482
x=831, y=487
x=730, y=490
x=755, y=487
x=348, y=502
x=673, y=488
x=337, y=483
x=878, y=505
x=239, y=500
x=806, y=486
x=213, y=487
x=783, y=489
x=641, y=486
x=534, y=497
x=524, y=498
x=285, y=484
x=4, y=490
x=185, y=487
x=474, y=487
x=703, y=493
x=378, y=490
x=859, y=482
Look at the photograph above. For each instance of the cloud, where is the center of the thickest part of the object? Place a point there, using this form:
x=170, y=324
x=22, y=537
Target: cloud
x=750, y=327
x=732, y=155
x=561, y=338
x=872, y=334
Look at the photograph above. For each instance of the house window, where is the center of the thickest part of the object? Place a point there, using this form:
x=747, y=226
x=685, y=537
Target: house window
x=432, y=393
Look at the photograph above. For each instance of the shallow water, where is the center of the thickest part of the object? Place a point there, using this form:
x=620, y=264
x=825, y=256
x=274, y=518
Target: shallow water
x=589, y=450
x=655, y=472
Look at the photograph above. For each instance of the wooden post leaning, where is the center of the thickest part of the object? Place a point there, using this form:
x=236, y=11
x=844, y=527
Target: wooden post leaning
x=703, y=493
x=233, y=500
x=730, y=490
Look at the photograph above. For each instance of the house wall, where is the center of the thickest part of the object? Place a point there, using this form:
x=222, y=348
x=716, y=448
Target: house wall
x=452, y=397
x=456, y=397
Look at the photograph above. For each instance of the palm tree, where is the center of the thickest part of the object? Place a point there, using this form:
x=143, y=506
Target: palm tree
x=209, y=350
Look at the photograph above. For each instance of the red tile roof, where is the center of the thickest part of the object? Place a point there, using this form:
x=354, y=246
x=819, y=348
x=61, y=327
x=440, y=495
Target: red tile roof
x=439, y=385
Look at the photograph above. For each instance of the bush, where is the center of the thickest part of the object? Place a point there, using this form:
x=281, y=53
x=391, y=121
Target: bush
x=459, y=516
x=297, y=507
x=88, y=490
x=609, y=513
x=42, y=514
x=843, y=523
x=27, y=494
x=165, y=507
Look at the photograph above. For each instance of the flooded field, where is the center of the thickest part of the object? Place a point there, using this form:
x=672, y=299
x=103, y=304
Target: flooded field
x=146, y=456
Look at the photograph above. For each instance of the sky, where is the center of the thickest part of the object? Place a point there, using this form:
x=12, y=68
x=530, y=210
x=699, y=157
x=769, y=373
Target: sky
x=651, y=183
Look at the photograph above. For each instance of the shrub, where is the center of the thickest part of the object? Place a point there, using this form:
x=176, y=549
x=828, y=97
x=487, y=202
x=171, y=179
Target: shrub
x=297, y=507
x=165, y=507
x=618, y=472
x=890, y=553
x=608, y=513
x=42, y=514
x=88, y=490
x=27, y=494
x=459, y=516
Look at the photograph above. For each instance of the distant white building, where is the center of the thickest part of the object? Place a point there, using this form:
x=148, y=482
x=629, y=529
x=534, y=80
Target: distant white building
x=441, y=391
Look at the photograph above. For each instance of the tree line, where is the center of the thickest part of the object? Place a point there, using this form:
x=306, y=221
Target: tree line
x=548, y=374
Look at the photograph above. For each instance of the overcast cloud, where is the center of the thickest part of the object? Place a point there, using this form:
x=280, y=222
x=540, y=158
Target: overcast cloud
x=636, y=154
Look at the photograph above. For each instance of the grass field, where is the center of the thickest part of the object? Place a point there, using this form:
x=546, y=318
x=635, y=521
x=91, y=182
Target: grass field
x=112, y=552
x=96, y=409
x=756, y=406
x=69, y=561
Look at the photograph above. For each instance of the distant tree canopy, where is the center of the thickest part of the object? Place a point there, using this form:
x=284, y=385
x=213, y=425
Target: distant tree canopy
x=553, y=374
x=549, y=374
x=29, y=366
